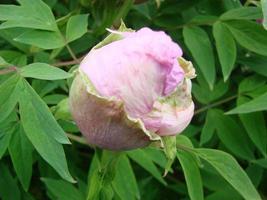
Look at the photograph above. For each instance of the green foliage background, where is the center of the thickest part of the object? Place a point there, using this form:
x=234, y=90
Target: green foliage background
x=221, y=155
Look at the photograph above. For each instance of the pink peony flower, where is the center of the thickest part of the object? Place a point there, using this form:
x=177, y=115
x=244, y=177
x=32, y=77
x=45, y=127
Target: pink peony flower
x=133, y=90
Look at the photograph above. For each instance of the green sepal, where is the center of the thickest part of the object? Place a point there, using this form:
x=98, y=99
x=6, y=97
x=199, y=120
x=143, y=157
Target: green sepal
x=169, y=143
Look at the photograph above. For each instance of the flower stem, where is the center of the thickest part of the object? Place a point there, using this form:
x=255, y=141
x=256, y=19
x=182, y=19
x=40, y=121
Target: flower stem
x=203, y=109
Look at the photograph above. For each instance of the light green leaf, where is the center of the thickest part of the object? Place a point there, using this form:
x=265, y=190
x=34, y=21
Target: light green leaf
x=76, y=27
x=192, y=175
x=257, y=104
x=249, y=35
x=264, y=10
x=141, y=158
x=31, y=14
x=256, y=131
x=20, y=150
x=198, y=42
x=8, y=96
x=62, y=189
x=41, y=115
x=242, y=13
x=14, y=57
x=2, y=62
x=43, y=131
x=226, y=48
x=44, y=71
x=41, y=39
x=230, y=170
x=125, y=184
x=8, y=185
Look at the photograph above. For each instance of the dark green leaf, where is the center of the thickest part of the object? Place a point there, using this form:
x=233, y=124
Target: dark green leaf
x=44, y=71
x=198, y=42
x=230, y=170
x=125, y=183
x=232, y=135
x=226, y=48
x=256, y=63
x=242, y=13
x=62, y=189
x=6, y=130
x=140, y=157
x=256, y=131
x=257, y=104
x=20, y=150
x=8, y=186
x=208, y=128
x=192, y=175
x=249, y=35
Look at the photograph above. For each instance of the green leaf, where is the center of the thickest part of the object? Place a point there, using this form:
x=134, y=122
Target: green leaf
x=192, y=175
x=20, y=150
x=242, y=13
x=76, y=27
x=62, y=189
x=6, y=130
x=41, y=115
x=8, y=186
x=230, y=170
x=2, y=62
x=43, y=131
x=141, y=158
x=125, y=183
x=198, y=42
x=232, y=135
x=249, y=35
x=14, y=57
x=257, y=104
x=208, y=128
x=31, y=14
x=256, y=63
x=250, y=84
x=41, y=39
x=226, y=48
x=264, y=11
x=200, y=90
x=157, y=156
x=44, y=71
x=256, y=131
x=8, y=96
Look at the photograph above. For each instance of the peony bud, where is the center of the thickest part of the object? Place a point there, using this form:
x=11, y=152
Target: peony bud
x=132, y=91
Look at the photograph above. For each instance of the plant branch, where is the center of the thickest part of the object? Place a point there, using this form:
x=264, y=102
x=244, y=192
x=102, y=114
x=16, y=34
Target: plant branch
x=8, y=70
x=71, y=52
x=70, y=62
x=203, y=109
